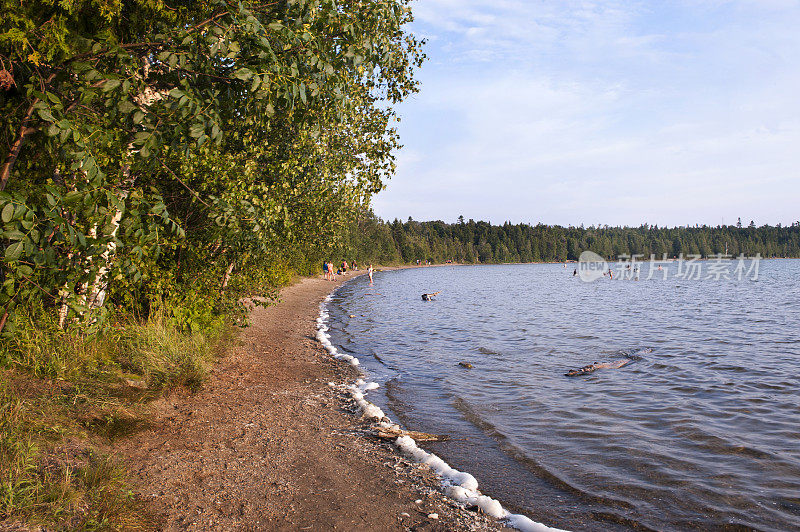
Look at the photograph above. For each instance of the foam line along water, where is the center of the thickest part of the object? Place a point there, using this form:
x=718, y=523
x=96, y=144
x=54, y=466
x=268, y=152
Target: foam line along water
x=459, y=485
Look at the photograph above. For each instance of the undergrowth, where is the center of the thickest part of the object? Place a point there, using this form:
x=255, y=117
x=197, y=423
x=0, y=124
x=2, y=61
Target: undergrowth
x=64, y=395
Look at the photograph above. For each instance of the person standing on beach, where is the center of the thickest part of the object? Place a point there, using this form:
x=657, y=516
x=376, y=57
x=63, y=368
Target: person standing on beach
x=369, y=271
x=325, y=270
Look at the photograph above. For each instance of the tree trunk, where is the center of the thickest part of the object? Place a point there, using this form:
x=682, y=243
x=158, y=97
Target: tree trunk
x=97, y=295
x=227, y=277
x=24, y=131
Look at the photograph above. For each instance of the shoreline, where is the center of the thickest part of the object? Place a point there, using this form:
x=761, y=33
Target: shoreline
x=459, y=486
x=269, y=444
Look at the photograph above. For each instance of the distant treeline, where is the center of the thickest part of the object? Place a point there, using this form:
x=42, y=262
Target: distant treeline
x=481, y=242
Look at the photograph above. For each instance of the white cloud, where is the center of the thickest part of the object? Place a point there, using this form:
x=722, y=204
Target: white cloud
x=586, y=112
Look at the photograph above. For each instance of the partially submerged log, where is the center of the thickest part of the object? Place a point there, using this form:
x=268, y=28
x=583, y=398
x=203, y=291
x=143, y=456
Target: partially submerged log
x=395, y=432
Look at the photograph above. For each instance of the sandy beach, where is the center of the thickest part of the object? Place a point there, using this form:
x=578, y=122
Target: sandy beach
x=268, y=444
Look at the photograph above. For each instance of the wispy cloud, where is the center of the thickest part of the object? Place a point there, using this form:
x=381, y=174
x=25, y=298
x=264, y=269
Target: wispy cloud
x=614, y=112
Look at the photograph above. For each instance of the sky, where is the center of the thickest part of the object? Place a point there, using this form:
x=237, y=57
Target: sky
x=602, y=112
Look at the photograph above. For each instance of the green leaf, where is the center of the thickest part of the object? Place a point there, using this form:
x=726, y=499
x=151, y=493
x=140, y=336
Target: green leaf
x=303, y=93
x=126, y=107
x=53, y=98
x=141, y=137
x=72, y=197
x=196, y=130
x=111, y=84
x=243, y=74
x=45, y=114
x=14, y=251
x=8, y=213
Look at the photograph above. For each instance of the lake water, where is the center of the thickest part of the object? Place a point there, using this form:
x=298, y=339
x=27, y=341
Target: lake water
x=700, y=431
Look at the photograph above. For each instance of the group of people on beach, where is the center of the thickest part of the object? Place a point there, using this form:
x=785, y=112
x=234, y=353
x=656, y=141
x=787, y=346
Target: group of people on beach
x=329, y=271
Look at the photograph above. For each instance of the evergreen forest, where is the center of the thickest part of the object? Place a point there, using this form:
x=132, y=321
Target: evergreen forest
x=481, y=242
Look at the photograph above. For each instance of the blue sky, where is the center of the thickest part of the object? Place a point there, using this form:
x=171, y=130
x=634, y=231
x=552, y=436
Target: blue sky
x=586, y=112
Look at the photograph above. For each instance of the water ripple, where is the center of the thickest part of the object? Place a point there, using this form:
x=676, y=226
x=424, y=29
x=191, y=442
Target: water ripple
x=700, y=432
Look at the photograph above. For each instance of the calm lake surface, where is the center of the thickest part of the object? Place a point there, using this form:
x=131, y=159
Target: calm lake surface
x=700, y=432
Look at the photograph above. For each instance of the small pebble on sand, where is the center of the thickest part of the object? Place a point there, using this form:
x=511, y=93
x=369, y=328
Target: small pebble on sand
x=433, y=516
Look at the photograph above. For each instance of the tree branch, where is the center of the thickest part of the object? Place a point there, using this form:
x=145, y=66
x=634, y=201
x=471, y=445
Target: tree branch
x=24, y=131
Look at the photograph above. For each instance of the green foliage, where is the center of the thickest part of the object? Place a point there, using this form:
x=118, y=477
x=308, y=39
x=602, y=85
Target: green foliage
x=164, y=141
x=373, y=240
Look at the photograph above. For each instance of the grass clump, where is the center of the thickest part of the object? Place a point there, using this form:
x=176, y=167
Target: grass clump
x=56, y=481
x=165, y=357
x=65, y=395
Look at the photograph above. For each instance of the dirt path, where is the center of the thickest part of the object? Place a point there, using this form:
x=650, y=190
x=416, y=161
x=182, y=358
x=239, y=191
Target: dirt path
x=268, y=445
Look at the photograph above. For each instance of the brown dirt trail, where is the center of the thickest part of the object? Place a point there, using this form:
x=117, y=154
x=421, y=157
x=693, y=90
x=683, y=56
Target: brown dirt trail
x=268, y=445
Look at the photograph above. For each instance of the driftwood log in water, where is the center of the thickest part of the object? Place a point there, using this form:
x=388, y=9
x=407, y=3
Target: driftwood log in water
x=394, y=432
x=585, y=370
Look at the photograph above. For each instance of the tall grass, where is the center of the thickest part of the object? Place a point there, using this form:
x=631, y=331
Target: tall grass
x=64, y=393
x=163, y=356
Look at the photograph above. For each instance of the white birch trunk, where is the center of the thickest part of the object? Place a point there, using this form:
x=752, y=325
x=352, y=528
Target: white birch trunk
x=227, y=277
x=99, y=287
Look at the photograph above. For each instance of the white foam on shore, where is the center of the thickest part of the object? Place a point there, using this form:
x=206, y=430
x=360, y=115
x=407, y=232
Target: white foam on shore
x=325, y=338
x=458, y=485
